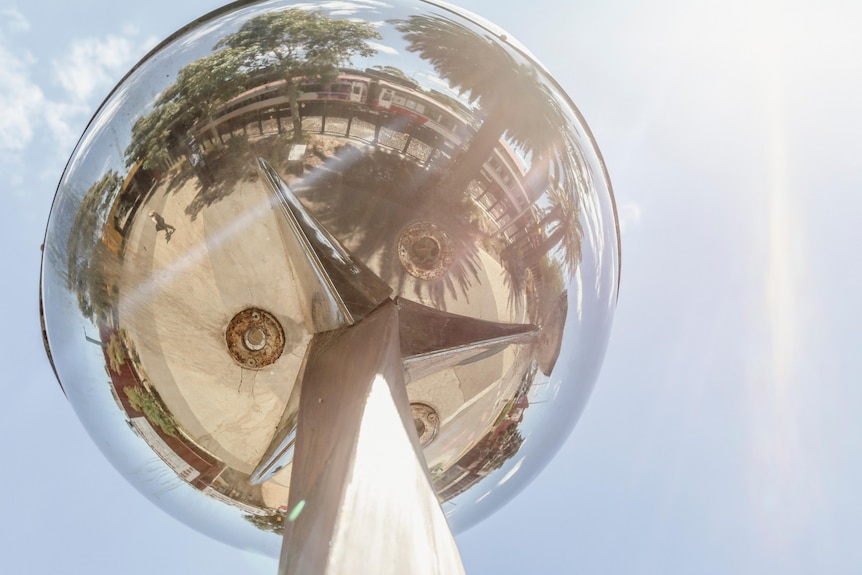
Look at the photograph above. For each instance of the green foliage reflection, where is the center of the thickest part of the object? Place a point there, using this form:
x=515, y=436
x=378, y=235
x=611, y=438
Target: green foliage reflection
x=287, y=47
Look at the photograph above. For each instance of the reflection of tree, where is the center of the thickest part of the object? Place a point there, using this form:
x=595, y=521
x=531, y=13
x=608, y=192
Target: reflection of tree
x=91, y=262
x=490, y=454
x=516, y=103
x=500, y=444
x=201, y=87
x=558, y=225
x=369, y=201
x=116, y=351
x=273, y=523
x=298, y=45
x=146, y=401
x=290, y=46
x=396, y=73
x=563, y=227
x=497, y=448
x=508, y=92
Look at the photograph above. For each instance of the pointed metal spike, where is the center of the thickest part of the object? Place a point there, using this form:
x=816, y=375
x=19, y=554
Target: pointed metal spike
x=427, y=330
x=280, y=451
x=419, y=366
x=339, y=289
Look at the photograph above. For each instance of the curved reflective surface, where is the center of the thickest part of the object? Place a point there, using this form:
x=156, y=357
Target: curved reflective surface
x=277, y=170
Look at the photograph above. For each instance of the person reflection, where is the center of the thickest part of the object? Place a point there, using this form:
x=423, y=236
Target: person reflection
x=162, y=225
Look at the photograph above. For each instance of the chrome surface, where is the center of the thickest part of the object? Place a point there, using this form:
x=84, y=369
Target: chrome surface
x=317, y=164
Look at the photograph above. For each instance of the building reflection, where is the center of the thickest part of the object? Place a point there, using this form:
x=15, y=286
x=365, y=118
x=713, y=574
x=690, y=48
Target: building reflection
x=496, y=447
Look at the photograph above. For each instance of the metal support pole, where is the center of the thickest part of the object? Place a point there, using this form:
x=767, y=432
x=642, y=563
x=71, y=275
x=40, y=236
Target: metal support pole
x=360, y=494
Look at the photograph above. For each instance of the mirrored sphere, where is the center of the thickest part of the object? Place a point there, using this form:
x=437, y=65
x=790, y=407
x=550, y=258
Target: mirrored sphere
x=276, y=170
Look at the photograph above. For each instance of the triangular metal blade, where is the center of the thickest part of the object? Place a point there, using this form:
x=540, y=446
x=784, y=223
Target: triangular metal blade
x=419, y=366
x=338, y=289
x=432, y=339
x=279, y=453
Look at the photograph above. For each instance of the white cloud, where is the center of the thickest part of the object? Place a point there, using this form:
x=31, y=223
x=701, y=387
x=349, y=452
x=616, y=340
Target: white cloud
x=14, y=20
x=59, y=118
x=341, y=7
x=382, y=48
x=629, y=214
x=85, y=73
x=20, y=99
x=442, y=84
x=93, y=64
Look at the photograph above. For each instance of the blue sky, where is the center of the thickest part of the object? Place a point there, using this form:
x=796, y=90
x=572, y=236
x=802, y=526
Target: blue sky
x=723, y=435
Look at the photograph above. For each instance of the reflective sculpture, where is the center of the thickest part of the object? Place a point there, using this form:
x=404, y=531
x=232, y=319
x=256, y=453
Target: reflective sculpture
x=287, y=212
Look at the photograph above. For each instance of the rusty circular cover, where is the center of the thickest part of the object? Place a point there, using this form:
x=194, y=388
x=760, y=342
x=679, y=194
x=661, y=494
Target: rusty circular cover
x=427, y=422
x=254, y=338
x=425, y=251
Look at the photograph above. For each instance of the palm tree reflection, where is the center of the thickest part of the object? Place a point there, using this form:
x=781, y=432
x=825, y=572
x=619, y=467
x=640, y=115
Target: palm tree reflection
x=516, y=104
x=368, y=198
